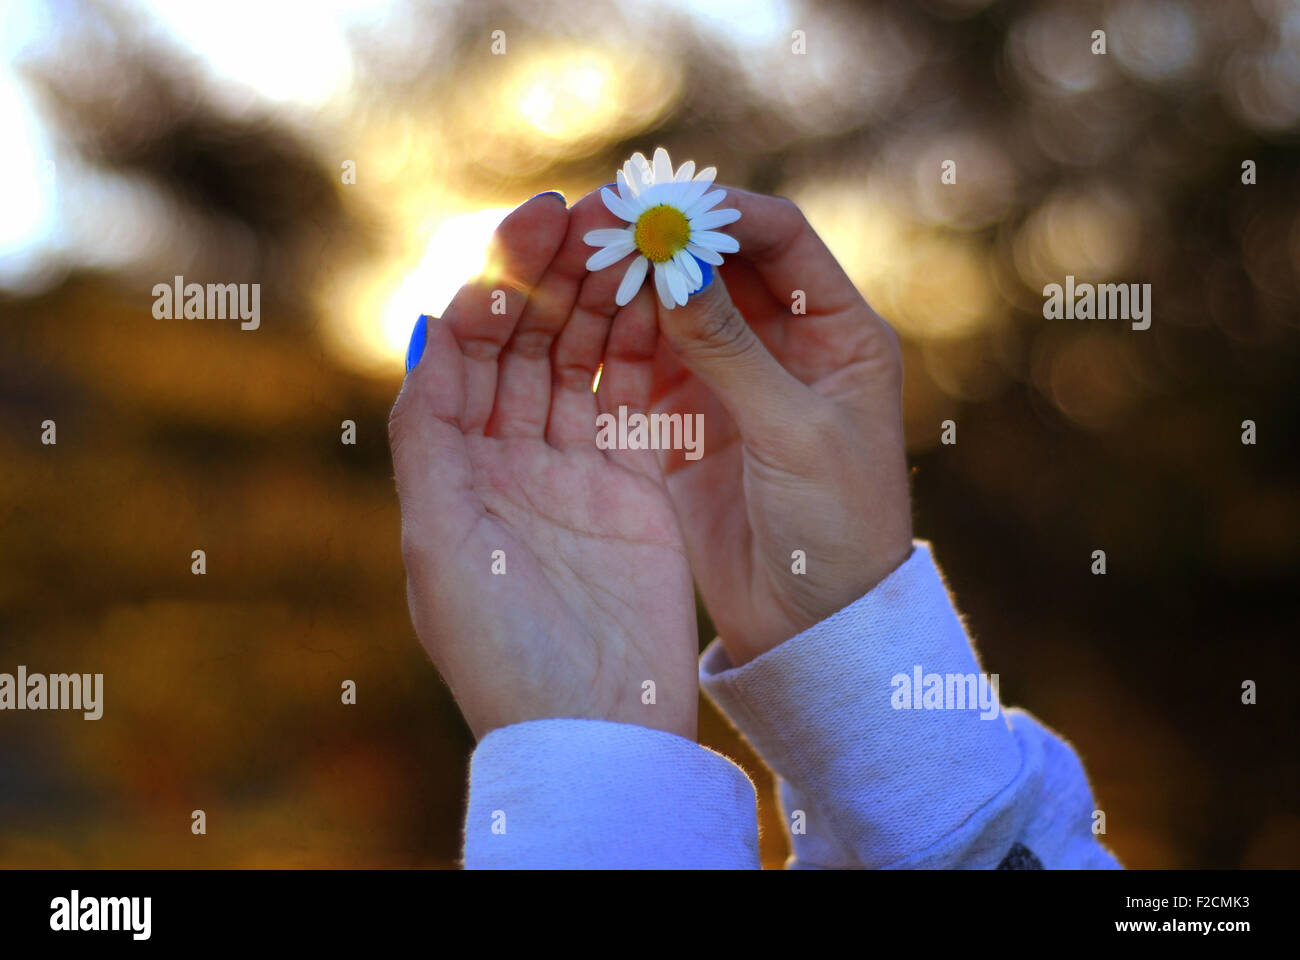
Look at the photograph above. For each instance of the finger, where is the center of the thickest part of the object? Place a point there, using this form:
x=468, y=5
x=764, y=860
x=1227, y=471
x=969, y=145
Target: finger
x=523, y=399
x=574, y=364
x=580, y=347
x=627, y=379
x=780, y=250
x=778, y=240
x=761, y=310
x=677, y=390
x=427, y=438
x=628, y=376
x=714, y=342
x=522, y=249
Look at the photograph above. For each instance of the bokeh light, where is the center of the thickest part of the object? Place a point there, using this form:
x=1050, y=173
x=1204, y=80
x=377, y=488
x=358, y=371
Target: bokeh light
x=353, y=158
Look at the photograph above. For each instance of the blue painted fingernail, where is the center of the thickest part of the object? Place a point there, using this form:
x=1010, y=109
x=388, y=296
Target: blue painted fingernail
x=415, y=349
x=707, y=270
x=550, y=193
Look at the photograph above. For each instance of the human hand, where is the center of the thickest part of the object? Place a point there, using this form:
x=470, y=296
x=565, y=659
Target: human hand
x=493, y=443
x=804, y=437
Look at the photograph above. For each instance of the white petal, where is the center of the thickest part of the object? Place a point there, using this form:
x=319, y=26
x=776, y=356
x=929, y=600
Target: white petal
x=636, y=184
x=625, y=188
x=663, y=167
x=715, y=241
x=707, y=174
x=685, y=171
x=637, y=174
x=632, y=281
x=656, y=194
x=617, y=205
x=661, y=287
x=611, y=254
x=693, y=191
x=608, y=235
x=676, y=281
x=642, y=166
x=678, y=192
x=715, y=218
x=692, y=269
x=644, y=201
x=704, y=253
x=705, y=203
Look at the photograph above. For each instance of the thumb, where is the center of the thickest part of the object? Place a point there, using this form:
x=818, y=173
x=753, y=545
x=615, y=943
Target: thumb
x=430, y=456
x=711, y=338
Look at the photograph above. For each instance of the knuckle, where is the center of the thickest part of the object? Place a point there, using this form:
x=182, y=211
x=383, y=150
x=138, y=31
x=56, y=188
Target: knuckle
x=892, y=345
x=534, y=344
x=721, y=329
x=879, y=346
x=574, y=376
x=794, y=215
x=396, y=420
x=399, y=426
x=788, y=207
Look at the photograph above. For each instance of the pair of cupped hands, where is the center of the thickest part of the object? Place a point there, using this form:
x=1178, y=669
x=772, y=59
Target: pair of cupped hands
x=494, y=449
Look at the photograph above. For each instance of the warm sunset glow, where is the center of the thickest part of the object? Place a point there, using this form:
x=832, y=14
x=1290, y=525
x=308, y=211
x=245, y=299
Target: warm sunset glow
x=373, y=333
x=567, y=99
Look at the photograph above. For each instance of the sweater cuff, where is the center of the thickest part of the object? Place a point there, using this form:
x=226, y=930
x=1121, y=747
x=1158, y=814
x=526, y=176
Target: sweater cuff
x=565, y=794
x=883, y=765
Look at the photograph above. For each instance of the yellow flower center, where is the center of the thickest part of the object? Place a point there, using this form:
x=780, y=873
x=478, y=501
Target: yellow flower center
x=661, y=231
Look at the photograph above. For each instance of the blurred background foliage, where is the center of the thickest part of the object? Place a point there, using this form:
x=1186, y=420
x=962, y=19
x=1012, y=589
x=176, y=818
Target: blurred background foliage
x=145, y=139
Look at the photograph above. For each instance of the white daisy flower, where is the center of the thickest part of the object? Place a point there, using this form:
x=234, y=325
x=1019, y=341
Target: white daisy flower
x=671, y=221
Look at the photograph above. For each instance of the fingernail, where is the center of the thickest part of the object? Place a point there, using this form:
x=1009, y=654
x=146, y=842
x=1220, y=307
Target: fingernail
x=550, y=193
x=707, y=270
x=415, y=349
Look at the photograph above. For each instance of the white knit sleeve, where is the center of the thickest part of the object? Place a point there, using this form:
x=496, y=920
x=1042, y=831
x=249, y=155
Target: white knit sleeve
x=892, y=748
x=592, y=794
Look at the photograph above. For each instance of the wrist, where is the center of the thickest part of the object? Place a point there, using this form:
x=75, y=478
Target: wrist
x=795, y=612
